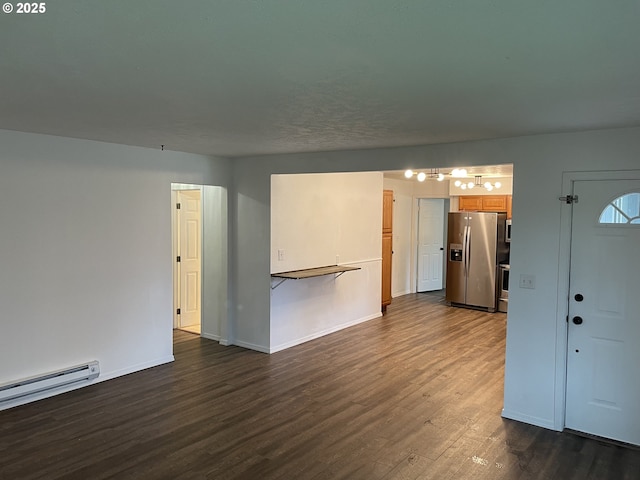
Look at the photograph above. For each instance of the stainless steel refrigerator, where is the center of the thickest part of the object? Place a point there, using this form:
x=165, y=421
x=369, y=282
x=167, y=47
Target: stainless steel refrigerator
x=475, y=247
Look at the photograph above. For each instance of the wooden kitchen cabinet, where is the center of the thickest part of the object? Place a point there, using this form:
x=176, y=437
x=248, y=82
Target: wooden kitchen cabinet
x=387, y=211
x=387, y=253
x=485, y=203
x=470, y=203
x=494, y=203
x=387, y=246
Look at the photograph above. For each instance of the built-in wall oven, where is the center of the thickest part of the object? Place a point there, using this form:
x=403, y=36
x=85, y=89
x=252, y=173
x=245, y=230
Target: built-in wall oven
x=503, y=288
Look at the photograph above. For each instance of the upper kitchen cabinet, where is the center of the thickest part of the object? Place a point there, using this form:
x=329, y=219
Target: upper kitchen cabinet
x=485, y=203
x=470, y=203
x=494, y=203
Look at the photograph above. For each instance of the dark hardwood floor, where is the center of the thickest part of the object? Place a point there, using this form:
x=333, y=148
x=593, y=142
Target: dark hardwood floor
x=416, y=394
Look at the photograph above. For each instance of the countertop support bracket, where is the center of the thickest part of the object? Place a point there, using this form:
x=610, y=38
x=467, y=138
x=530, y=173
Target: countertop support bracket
x=336, y=270
x=282, y=280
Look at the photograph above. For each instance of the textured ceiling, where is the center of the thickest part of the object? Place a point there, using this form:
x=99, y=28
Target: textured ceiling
x=243, y=77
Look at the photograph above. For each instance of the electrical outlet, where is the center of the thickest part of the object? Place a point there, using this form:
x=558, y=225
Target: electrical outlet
x=280, y=255
x=337, y=259
x=528, y=281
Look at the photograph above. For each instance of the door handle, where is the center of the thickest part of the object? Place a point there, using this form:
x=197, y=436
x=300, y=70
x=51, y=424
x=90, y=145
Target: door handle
x=465, y=250
x=469, y=247
x=577, y=320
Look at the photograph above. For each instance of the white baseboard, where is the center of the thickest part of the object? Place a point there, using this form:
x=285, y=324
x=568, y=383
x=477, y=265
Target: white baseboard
x=531, y=420
x=102, y=378
x=208, y=336
x=400, y=294
x=134, y=368
x=251, y=346
x=322, y=333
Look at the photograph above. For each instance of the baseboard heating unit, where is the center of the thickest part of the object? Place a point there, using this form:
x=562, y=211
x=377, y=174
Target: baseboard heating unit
x=20, y=391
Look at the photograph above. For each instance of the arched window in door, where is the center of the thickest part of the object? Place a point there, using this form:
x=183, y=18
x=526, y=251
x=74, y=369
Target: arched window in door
x=623, y=210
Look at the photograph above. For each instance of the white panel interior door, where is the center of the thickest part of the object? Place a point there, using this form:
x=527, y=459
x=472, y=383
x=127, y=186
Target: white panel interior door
x=430, y=244
x=603, y=374
x=190, y=257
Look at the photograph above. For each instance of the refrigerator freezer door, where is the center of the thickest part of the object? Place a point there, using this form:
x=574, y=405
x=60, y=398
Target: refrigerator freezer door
x=456, y=254
x=481, y=261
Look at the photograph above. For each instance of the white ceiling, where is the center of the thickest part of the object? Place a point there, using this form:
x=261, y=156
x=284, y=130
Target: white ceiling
x=242, y=77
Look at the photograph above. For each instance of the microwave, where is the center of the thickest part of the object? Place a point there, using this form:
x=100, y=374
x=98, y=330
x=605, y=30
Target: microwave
x=507, y=231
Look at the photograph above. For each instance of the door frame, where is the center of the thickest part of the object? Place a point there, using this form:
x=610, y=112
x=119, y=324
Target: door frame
x=415, y=219
x=176, y=238
x=564, y=276
x=444, y=241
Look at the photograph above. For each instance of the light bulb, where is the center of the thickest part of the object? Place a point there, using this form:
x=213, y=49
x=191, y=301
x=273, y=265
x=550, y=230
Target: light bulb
x=497, y=184
x=440, y=177
x=470, y=184
x=408, y=173
x=463, y=186
x=463, y=172
x=457, y=183
x=422, y=176
x=487, y=185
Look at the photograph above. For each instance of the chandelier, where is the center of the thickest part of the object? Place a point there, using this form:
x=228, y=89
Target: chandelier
x=477, y=183
x=460, y=174
x=422, y=176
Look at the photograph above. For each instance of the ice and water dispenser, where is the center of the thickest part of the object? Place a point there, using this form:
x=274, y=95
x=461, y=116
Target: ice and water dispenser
x=455, y=252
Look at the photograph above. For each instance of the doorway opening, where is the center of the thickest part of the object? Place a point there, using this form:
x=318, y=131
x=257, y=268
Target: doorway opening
x=187, y=247
x=430, y=269
x=199, y=238
x=413, y=268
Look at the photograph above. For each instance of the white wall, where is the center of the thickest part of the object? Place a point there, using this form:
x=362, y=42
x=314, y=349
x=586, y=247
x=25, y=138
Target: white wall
x=319, y=220
x=533, y=365
x=250, y=221
x=215, y=266
x=431, y=189
x=85, y=251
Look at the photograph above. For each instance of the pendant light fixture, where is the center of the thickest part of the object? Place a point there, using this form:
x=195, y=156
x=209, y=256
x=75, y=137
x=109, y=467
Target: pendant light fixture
x=459, y=173
x=433, y=173
x=477, y=183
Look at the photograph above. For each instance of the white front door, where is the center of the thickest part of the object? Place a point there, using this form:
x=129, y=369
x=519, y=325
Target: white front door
x=603, y=363
x=190, y=257
x=430, y=244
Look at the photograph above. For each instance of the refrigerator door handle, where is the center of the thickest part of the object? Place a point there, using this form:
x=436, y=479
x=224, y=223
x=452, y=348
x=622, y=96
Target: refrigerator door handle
x=464, y=250
x=469, y=248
